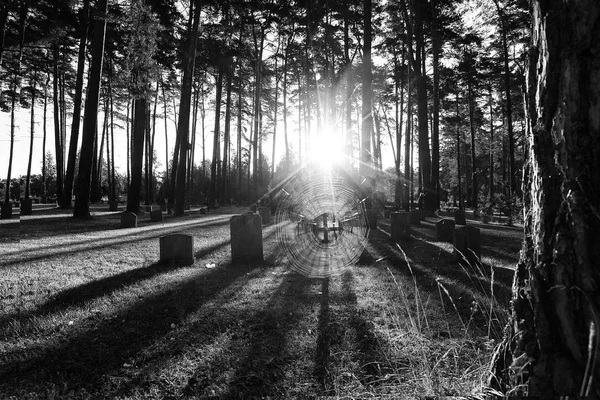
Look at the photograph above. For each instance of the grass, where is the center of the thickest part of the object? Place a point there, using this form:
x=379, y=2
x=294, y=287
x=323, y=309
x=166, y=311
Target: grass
x=87, y=312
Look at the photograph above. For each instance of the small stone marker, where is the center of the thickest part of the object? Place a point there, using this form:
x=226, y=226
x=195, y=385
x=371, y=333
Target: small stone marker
x=6, y=210
x=26, y=206
x=459, y=217
x=246, y=237
x=177, y=248
x=156, y=216
x=400, y=225
x=128, y=220
x=467, y=241
x=113, y=205
x=372, y=218
x=265, y=215
x=202, y=210
x=444, y=230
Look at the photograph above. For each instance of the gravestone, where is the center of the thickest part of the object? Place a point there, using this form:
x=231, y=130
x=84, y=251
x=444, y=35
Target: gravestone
x=459, y=217
x=467, y=240
x=246, y=237
x=265, y=215
x=202, y=210
x=156, y=216
x=177, y=248
x=128, y=220
x=400, y=225
x=26, y=206
x=444, y=230
x=113, y=205
x=6, y=210
x=372, y=218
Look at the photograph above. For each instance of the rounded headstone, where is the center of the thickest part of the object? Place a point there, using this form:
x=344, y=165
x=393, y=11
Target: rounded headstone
x=177, y=248
x=459, y=217
x=467, y=243
x=128, y=220
x=400, y=225
x=246, y=237
x=6, y=210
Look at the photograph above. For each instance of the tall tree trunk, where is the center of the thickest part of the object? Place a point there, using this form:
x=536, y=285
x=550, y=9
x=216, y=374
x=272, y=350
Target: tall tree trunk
x=127, y=124
x=458, y=169
x=365, y=168
x=77, y=101
x=507, y=92
x=474, y=190
x=13, y=103
x=408, y=136
x=45, y=133
x=140, y=112
x=435, y=132
x=90, y=119
x=216, y=139
x=224, y=192
x=491, y=158
x=183, y=126
x=257, y=109
x=166, y=185
x=551, y=347
x=239, y=147
x=58, y=144
x=97, y=183
x=32, y=131
x=349, y=81
x=113, y=193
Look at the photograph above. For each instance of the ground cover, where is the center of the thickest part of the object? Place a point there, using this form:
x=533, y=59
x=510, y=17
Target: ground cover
x=88, y=312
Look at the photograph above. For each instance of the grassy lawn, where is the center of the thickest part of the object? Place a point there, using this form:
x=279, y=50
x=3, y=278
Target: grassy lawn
x=86, y=311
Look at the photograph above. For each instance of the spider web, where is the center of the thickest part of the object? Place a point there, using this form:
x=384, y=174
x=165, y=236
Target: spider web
x=321, y=222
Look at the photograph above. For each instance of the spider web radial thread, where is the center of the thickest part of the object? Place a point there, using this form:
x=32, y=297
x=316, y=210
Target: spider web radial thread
x=322, y=224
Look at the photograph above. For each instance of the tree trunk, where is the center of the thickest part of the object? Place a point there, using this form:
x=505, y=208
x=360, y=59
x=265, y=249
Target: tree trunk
x=183, y=126
x=70, y=174
x=90, y=120
x=216, y=139
x=224, y=192
x=365, y=169
x=58, y=144
x=491, y=153
x=551, y=347
x=45, y=132
x=408, y=136
x=140, y=112
x=435, y=132
x=471, y=100
x=32, y=131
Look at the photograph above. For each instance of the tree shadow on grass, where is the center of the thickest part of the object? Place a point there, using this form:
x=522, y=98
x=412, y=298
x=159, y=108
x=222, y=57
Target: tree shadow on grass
x=261, y=370
x=90, y=291
x=76, y=247
x=83, y=357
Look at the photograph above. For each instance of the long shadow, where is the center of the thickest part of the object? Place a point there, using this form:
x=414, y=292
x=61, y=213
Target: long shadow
x=81, y=294
x=86, y=245
x=87, y=355
x=260, y=372
x=369, y=345
x=324, y=339
x=463, y=284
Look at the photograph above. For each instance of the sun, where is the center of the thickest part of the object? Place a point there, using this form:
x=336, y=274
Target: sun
x=327, y=149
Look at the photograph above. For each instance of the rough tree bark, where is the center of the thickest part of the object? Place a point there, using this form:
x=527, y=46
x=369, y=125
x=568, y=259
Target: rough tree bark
x=184, y=111
x=90, y=119
x=70, y=174
x=552, y=341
